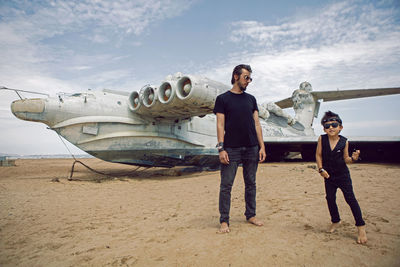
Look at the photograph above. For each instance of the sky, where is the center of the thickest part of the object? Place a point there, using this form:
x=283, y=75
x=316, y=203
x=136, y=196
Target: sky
x=70, y=46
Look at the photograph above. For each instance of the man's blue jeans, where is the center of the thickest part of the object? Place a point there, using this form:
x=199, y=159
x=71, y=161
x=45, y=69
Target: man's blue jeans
x=248, y=156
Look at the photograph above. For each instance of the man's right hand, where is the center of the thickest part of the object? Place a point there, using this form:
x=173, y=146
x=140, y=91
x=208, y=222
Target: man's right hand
x=325, y=174
x=223, y=157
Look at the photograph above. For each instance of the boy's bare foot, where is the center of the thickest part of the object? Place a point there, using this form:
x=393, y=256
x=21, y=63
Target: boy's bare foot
x=362, y=235
x=333, y=227
x=255, y=221
x=224, y=228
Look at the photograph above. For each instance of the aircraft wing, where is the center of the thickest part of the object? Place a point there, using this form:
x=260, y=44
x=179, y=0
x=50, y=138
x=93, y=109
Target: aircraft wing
x=342, y=95
x=355, y=93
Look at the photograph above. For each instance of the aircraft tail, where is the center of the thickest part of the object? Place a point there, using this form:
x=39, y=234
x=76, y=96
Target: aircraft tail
x=306, y=102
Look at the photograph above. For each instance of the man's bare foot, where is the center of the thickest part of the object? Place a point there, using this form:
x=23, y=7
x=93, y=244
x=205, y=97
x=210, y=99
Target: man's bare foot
x=255, y=221
x=224, y=228
x=362, y=235
x=333, y=227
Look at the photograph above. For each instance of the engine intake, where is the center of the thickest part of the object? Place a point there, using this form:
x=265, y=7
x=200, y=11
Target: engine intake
x=166, y=92
x=149, y=98
x=134, y=101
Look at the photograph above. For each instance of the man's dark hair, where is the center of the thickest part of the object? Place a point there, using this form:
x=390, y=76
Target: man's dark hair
x=238, y=71
x=331, y=116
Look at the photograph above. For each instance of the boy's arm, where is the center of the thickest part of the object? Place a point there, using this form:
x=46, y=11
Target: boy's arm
x=318, y=159
x=346, y=156
x=318, y=154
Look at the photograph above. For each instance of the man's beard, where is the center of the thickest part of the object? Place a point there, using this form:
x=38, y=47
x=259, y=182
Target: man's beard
x=242, y=88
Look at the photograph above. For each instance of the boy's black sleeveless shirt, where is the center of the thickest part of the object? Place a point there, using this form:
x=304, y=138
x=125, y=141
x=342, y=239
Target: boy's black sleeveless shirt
x=332, y=160
x=240, y=130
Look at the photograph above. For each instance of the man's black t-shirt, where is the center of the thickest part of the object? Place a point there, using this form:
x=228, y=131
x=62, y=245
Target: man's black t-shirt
x=240, y=130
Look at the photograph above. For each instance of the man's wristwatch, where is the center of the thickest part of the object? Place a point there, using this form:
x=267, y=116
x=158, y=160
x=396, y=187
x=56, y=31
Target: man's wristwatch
x=320, y=170
x=220, y=147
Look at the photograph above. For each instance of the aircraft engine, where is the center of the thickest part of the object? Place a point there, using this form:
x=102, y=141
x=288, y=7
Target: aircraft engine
x=199, y=93
x=263, y=112
x=166, y=92
x=150, y=98
x=134, y=102
x=167, y=96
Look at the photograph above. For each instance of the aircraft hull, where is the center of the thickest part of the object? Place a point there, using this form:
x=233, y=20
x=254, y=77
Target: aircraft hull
x=158, y=158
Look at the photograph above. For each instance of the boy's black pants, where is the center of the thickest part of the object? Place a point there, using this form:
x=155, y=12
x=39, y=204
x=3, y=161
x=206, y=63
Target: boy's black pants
x=344, y=183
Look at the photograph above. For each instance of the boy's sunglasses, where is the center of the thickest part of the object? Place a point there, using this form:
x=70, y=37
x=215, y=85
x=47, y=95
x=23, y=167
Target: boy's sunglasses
x=328, y=125
x=247, y=78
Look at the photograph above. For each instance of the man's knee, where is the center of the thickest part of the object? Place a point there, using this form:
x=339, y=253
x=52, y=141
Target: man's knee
x=225, y=189
x=250, y=184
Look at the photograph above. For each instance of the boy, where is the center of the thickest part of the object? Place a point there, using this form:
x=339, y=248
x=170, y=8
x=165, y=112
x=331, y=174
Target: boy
x=332, y=155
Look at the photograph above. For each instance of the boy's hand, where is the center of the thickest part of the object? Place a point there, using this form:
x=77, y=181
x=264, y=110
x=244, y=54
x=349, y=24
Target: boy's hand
x=355, y=155
x=325, y=174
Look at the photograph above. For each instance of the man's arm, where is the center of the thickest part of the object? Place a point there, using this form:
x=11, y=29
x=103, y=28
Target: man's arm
x=223, y=155
x=262, y=153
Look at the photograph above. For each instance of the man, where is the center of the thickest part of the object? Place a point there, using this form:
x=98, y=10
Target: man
x=239, y=141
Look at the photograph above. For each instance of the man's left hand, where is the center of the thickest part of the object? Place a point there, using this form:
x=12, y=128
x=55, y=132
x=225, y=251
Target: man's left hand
x=262, y=154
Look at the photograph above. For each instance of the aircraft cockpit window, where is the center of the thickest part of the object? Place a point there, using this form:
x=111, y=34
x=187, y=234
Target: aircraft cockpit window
x=77, y=94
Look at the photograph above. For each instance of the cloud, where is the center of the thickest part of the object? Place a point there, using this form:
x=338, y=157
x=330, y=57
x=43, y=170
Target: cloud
x=81, y=67
x=30, y=34
x=348, y=44
x=342, y=22
x=38, y=20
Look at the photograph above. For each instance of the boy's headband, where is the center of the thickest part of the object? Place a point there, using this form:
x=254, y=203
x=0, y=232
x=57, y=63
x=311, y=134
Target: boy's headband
x=333, y=119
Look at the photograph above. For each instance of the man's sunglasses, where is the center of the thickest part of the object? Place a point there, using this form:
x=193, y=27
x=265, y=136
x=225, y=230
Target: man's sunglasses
x=247, y=78
x=328, y=125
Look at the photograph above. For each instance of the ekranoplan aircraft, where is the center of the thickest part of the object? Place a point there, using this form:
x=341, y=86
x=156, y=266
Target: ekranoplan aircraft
x=173, y=124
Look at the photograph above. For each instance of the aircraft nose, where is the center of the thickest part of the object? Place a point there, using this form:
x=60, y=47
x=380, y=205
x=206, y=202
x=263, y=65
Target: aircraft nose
x=28, y=109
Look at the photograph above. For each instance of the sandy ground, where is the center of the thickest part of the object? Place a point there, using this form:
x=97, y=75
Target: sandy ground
x=159, y=217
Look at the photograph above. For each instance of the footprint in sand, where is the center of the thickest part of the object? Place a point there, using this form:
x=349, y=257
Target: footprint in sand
x=308, y=227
